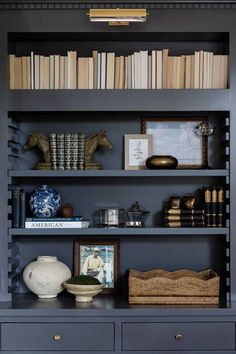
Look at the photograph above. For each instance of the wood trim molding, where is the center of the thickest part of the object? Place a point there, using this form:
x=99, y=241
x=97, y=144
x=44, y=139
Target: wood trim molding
x=87, y=4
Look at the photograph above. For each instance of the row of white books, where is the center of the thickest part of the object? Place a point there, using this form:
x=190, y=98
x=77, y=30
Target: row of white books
x=141, y=70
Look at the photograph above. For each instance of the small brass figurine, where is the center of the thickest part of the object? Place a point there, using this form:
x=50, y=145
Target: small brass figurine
x=40, y=141
x=91, y=144
x=189, y=201
x=175, y=202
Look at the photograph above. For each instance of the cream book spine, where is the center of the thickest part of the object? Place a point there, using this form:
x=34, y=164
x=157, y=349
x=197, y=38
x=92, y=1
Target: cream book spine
x=86, y=73
x=28, y=73
x=165, y=80
x=182, y=71
x=24, y=72
x=110, y=72
x=99, y=71
x=210, y=70
x=66, y=73
x=133, y=72
x=81, y=73
x=117, y=72
x=51, y=72
x=153, y=69
x=126, y=73
x=196, y=69
x=72, y=70
x=62, y=73
x=129, y=72
x=143, y=69
x=95, y=68
x=90, y=73
x=41, y=71
x=201, y=64
x=32, y=70
x=149, y=72
x=159, y=65
x=103, y=71
x=57, y=72
x=188, y=72
x=122, y=72
x=36, y=72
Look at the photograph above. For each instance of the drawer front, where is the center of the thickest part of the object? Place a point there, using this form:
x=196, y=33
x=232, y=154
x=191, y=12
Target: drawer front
x=57, y=336
x=178, y=336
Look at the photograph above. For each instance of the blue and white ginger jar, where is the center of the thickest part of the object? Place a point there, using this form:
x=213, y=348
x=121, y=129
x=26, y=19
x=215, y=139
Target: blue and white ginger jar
x=45, y=202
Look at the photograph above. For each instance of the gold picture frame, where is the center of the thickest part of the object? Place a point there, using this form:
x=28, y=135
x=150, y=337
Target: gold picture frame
x=177, y=138
x=138, y=147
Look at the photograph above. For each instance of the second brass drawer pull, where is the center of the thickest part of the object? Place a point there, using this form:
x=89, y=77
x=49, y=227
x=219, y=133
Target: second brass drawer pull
x=57, y=337
x=178, y=336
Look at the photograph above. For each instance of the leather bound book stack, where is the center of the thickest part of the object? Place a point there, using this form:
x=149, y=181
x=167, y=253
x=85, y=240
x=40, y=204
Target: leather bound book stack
x=214, y=206
x=18, y=208
x=182, y=213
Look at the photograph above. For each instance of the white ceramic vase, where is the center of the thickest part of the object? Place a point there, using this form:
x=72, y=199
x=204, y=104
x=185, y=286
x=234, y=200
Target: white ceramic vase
x=45, y=276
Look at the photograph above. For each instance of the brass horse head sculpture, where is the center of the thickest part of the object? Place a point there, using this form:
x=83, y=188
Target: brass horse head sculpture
x=40, y=141
x=91, y=144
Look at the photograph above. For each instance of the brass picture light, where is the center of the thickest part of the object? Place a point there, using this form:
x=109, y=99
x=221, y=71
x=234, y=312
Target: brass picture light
x=118, y=17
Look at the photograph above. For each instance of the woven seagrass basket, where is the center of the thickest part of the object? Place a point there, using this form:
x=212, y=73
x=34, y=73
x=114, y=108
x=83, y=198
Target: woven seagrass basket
x=183, y=286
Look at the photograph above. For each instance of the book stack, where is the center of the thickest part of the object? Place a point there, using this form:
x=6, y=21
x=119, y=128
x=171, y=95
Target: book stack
x=144, y=69
x=56, y=223
x=184, y=217
x=67, y=151
x=214, y=206
x=18, y=208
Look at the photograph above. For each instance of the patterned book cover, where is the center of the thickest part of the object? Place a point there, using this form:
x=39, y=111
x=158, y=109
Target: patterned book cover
x=53, y=151
x=67, y=151
x=60, y=152
x=81, y=150
x=74, y=151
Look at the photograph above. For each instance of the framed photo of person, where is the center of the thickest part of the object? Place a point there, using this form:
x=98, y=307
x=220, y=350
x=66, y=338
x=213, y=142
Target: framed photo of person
x=101, y=260
x=138, y=147
x=178, y=137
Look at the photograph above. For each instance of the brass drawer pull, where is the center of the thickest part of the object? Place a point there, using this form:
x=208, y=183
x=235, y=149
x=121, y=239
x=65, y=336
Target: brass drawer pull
x=178, y=337
x=57, y=337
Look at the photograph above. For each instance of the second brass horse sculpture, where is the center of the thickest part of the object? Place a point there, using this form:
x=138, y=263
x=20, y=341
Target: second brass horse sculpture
x=91, y=144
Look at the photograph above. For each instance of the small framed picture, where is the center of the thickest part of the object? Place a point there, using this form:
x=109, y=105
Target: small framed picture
x=177, y=137
x=101, y=260
x=138, y=147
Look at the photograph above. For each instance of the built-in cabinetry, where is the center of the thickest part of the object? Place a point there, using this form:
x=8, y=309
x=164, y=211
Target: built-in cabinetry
x=109, y=324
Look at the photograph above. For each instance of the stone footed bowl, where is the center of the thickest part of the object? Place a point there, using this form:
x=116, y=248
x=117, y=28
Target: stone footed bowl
x=83, y=293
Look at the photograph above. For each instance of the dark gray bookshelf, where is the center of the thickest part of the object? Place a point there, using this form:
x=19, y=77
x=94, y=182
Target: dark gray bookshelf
x=154, y=231
x=28, y=324
x=119, y=173
x=118, y=100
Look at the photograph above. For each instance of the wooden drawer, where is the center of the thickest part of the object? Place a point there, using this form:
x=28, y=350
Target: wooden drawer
x=57, y=336
x=178, y=336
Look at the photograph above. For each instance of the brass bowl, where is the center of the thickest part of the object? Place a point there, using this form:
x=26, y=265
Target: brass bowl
x=156, y=162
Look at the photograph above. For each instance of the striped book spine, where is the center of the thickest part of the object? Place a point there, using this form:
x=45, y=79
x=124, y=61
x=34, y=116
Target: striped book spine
x=53, y=151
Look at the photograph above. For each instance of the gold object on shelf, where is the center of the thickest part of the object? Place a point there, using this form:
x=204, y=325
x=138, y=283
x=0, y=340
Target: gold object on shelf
x=91, y=144
x=156, y=162
x=178, y=336
x=189, y=201
x=175, y=202
x=57, y=337
x=118, y=17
